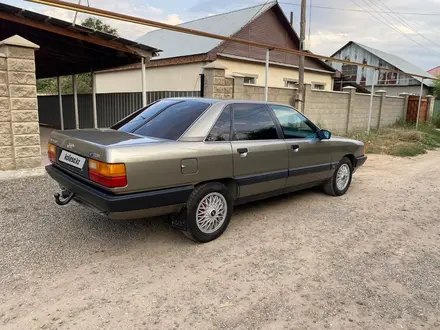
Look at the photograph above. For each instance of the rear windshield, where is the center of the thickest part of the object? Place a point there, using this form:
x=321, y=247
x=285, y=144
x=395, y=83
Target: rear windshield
x=166, y=119
x=134, y=120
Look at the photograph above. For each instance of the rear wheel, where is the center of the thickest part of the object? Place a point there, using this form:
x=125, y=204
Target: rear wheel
x=209, y=210
x=339, y=183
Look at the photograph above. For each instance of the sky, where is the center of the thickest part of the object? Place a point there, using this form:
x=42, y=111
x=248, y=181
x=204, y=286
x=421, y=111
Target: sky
x=329, y=29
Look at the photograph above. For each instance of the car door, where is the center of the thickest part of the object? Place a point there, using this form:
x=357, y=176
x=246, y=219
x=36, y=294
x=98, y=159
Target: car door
x=309, y=156
x=260, y=155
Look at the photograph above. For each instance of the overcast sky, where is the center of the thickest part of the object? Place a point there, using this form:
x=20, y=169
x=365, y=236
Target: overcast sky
x=330, y=29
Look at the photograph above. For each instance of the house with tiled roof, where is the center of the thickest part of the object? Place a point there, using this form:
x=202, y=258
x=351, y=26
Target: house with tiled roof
x=179, y=65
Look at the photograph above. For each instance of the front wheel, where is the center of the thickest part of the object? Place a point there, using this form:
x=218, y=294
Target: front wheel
x=339, y=183
x=209, y=210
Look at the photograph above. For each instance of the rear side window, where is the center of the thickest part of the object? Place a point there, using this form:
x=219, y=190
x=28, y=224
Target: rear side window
x=172, y=122
x=222, y=128
x=253, y=122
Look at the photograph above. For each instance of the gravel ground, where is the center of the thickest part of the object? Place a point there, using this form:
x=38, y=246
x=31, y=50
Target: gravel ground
x=366, y=260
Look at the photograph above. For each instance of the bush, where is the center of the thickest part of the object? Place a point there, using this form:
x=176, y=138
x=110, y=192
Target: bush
x=436, y=122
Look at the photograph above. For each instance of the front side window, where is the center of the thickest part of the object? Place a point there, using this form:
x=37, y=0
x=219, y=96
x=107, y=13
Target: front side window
x=173, y=121
x=222, y=128
x=253, y=122
x=293, y=124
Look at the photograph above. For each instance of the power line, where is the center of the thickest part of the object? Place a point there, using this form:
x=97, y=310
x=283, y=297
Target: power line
x=361, y=11
x=393, y=26
x=399, y=18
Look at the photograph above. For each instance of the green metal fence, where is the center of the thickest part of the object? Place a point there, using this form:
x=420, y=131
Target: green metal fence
x=436, y=108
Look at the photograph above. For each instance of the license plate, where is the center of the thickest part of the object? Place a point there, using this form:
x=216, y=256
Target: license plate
x=72, y=159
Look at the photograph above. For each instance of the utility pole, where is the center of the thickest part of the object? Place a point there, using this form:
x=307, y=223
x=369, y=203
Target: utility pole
x=302, y=37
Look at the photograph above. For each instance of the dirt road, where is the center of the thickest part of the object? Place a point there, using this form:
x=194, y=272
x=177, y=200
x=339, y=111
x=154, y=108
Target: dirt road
x=367, y=260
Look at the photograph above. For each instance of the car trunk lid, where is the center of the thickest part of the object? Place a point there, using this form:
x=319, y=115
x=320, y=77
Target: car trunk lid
x=75, y=147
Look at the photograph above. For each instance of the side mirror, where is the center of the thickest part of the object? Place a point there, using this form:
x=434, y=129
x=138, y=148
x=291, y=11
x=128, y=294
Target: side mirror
x=323, y=134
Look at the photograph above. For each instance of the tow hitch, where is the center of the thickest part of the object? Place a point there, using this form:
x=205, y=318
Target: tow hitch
x=66, y=197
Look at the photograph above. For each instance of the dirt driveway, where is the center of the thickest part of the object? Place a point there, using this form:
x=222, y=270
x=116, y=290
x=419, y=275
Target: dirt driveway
x=367, y=260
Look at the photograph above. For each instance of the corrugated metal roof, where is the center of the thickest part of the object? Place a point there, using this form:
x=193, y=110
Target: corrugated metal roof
x=24, y=13
x=176, y=44
x=399, y=63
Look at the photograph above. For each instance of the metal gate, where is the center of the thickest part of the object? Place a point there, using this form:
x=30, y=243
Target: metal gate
x=413, y=105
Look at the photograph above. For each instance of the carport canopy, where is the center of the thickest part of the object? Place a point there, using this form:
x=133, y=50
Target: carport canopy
x=67, y=49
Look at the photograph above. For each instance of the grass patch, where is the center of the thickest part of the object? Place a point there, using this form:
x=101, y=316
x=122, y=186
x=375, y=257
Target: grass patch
x=400, y=140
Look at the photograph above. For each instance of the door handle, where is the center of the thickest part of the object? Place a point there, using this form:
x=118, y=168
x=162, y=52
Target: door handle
x=294, y=147
x=242, y=151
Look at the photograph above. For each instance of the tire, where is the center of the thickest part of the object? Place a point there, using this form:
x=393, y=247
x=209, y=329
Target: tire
x=214, y=202
x=331, y=187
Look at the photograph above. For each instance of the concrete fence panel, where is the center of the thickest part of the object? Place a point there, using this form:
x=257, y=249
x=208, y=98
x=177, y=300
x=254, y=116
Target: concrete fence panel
x=392, y=110
x=362, y=110
x=338, y=111
x=328, y=109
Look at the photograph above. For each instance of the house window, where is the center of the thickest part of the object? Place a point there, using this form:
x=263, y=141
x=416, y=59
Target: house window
x=290, y=83
x=319, y=86
x=249, y=80
x=349, y=70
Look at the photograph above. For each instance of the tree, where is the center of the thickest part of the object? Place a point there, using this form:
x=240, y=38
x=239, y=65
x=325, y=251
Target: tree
x=49, y=85
x=84, y=80
x=98, y=25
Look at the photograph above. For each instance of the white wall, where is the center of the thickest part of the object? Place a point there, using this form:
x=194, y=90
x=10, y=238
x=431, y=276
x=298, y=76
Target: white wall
x=183, y=77
x=277, y=74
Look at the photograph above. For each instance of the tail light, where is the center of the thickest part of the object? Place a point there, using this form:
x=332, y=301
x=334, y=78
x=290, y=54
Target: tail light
x=51, y=152
x=109, y=175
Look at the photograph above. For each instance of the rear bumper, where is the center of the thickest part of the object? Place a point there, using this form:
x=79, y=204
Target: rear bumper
x=359, y=161
x=110, y=203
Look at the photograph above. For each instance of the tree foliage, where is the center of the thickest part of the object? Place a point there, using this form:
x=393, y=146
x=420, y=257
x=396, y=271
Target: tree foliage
x=98, y=25
x=84, y=80
x=49, y=85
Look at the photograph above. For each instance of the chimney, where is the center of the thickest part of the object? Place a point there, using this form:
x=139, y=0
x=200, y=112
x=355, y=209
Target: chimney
x=291, y=18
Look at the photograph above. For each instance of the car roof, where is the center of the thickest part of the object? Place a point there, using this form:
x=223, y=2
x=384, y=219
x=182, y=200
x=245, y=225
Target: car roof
x=223, y=101
x=199, y=99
